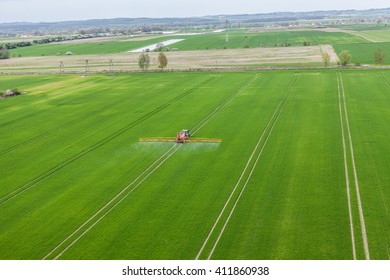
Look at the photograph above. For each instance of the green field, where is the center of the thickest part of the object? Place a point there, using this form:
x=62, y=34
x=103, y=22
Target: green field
x=241, y=39
x=364, y=53
x=75, y=183
x=84, y=48
x=370, y=32
x=237, y=39
x=376, y=35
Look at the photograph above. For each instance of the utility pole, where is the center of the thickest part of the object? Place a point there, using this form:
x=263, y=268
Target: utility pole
x=61, y=68
x=110, y=66
x=86, y=67
x=227, y=31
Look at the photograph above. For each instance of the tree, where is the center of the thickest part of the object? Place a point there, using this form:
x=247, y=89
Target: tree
x=144, y=61
x=326, y=58
x=345, y=58
x=380, y=56
x=162, y=61
x=4, y=54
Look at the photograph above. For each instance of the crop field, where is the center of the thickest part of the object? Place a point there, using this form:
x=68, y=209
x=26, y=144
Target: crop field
x=375, y=35
x=301, y=173
x=364, y=53
x=209, y=41
x=303, y=56
x=82, y=48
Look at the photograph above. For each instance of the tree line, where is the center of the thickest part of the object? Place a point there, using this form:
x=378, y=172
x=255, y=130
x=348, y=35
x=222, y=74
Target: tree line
x=144, y=61
x=47, y=40
x=345, y=58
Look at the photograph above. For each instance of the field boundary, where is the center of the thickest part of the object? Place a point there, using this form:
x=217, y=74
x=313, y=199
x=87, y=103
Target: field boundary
x=273, y=120
x=160, y=161
x=203, y=69
x=358, y=197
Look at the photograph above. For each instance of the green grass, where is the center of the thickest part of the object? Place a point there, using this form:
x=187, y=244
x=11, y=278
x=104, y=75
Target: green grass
x=237, y=39
x=71, y=145
x=364, y=53
x=87, y=48
x=240, y=39
x=376, y=35
x=362, y=27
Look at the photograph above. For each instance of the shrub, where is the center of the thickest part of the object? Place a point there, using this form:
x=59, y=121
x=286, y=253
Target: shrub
x=4, y=54
x=380, y=56
x=345, y=58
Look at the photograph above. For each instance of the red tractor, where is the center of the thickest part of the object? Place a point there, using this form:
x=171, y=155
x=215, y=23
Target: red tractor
x=182, y=136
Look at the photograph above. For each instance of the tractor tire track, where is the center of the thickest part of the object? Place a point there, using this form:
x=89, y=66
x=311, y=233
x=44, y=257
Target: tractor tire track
x=15, y=120
x=352, y=154
x=266, y=133
x=159, y=161
x=42, y=135
x=136, y=182
x=38, y=137
x=21, y=189
x=38, y=101
x=385, y=79
x=346, y=173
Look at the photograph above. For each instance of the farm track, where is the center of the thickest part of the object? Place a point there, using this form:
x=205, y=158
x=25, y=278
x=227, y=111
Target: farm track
x=21, y=189
x=249, y=165
x=355, y=176
x=83, y=229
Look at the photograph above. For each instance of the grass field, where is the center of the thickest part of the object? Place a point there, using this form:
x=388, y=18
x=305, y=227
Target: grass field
x=369, y=32
x=240, y=39
x=75, y=183
x=210, y=41
x=364, y=53
x=376, y=35
x=82, y=48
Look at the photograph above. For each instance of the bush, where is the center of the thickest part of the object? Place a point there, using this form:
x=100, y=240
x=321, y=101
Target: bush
x=4, y=54
x=380, y=56
x=345, y=58
x=144, y=61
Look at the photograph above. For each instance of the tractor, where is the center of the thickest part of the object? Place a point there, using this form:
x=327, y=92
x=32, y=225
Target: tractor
x=182, y=136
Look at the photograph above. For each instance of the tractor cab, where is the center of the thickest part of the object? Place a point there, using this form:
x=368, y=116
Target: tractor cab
x=187, y=133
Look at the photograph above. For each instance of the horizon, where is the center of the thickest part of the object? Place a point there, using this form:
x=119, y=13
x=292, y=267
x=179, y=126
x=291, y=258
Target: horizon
x=209, y=15
x=32, y=11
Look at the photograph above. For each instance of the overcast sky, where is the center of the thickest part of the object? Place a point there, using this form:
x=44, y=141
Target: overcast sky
x=54, y=10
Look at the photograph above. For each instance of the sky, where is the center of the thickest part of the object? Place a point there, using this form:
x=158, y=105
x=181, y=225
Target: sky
x=54, y=10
